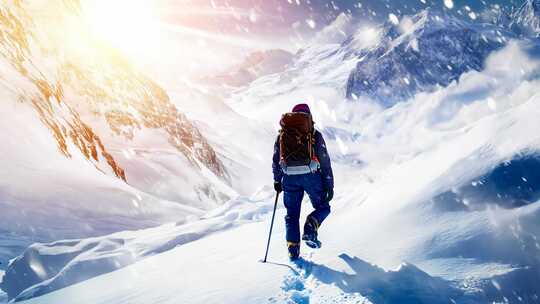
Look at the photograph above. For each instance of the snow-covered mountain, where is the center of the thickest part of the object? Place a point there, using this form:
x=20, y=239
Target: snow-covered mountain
x=430, y=49
x=255, y=65
x=436, y=198
x=65, y=90
x=79, y=119
x=525, y=21
x=433, y=49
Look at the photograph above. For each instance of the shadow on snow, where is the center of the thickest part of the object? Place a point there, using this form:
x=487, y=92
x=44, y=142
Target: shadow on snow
x=409, y=284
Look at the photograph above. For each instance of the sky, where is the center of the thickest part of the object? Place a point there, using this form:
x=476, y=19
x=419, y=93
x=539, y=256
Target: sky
x=276, y=18
x=211, y=35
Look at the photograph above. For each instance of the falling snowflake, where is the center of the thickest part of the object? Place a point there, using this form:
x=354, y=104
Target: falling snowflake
x=253, y=16
x=449, y=4
x=311, y=23
x=393, y=18
x=492, y=104
x=414, y=45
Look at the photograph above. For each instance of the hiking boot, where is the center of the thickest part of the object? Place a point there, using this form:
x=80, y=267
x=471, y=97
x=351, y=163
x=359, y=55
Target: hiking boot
x=312, y=241
x=294, y=250
x=310, y=233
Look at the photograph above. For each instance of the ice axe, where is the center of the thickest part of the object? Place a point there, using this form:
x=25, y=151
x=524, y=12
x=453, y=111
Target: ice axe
x=271, y=226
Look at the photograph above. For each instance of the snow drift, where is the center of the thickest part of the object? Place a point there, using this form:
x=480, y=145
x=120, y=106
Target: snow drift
x=43, y=268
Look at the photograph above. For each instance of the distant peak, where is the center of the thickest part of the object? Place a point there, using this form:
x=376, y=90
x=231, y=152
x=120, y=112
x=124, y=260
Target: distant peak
x=526, y=20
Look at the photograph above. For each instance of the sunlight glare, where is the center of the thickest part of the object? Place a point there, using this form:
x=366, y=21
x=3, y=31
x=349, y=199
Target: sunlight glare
x=132, y=26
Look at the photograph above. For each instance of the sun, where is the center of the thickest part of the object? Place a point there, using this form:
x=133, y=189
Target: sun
x=132, y=26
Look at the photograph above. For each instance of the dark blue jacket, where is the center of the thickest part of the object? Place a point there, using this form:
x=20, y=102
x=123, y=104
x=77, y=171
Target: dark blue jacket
x=322, y=155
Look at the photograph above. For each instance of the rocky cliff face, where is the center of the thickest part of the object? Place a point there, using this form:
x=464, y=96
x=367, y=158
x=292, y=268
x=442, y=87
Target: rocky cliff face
x=73, y=81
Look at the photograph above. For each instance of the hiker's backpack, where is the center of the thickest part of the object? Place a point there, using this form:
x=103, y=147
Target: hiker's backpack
x=296, y=144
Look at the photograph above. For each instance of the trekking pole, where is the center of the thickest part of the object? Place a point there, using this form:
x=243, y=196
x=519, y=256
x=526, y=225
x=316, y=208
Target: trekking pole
x=271, y=226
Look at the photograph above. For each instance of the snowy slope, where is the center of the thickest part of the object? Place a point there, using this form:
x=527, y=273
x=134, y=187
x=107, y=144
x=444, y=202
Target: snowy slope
x=393, y=235
x=445, y=242
x=435, y=201
x=92, y=145
x=241, y=142
x=43, y=200
x=52, y=266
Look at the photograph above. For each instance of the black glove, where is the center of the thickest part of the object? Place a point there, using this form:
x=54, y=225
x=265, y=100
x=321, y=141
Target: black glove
x=278, y=187
x=329, y=194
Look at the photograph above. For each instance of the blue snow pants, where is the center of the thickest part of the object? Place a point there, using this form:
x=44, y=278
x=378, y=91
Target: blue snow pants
x=294, y=187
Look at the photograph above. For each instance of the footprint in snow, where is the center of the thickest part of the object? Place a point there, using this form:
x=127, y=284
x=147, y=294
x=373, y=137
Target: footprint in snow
x=301, y=286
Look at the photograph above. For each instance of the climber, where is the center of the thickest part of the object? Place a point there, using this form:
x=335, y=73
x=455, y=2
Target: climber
x=301, y=164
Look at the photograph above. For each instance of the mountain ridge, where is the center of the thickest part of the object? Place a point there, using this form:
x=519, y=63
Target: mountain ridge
x=434, y=49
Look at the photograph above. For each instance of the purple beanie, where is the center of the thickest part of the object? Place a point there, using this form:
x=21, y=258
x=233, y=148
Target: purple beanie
x=302, y=107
